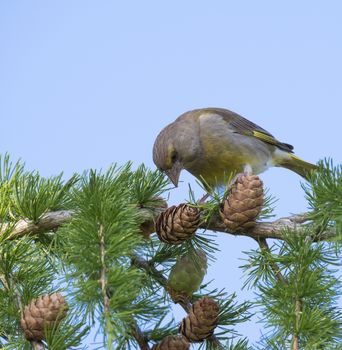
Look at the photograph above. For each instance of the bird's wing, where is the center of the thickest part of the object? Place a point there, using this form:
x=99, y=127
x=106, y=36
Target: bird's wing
x=243, y=126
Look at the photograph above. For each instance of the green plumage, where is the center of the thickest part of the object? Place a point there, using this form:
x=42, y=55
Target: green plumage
x=213, y=143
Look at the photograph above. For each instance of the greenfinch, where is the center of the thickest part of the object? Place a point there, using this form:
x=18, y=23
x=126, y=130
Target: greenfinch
x=212, y=143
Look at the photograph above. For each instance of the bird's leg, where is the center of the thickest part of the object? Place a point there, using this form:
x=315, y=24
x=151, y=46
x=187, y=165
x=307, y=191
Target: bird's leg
x=204, y=198
x=247, y=170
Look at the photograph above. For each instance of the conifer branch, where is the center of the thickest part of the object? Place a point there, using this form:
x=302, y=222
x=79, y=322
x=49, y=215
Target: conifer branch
x=162, y=280
x=8, y=283
x=275, y=268
x=103, y=282
x=48, y=222
x=298, y=305
x=139, y=336
x=103, y=278
x=159, y=277
x=274, y=229
x=295, y=339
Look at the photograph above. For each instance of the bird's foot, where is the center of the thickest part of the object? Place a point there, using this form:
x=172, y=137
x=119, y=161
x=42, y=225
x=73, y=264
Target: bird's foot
x=246, y=172
x=204, y=198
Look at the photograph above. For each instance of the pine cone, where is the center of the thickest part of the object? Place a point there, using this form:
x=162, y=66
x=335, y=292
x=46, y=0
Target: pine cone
x=201, y=320
x=42, y=312
x=172, y=342
x=177, y=223
x=187, y=274
x=243, y=203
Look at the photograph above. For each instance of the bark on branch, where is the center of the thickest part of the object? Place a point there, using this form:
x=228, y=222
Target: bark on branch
x=140, y=337
x=274, y=266
x=48, y=222
x=275, y=229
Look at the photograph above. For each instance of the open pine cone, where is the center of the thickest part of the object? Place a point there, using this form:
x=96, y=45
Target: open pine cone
x=243, y=203
x=42, y=312
x=201, y=320
x=172, y=342
x=177, y=223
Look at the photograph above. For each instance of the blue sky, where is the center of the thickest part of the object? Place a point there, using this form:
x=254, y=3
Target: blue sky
x=87, y=83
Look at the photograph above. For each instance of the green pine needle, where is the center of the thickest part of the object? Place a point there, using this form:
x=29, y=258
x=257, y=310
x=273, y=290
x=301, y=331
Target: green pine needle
x=324, y=195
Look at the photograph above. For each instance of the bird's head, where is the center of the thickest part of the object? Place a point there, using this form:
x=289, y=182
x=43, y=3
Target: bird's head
x=178, y=147
x=167, y=157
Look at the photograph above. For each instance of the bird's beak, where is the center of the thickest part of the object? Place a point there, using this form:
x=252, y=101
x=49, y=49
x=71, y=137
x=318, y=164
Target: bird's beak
x=174, y=172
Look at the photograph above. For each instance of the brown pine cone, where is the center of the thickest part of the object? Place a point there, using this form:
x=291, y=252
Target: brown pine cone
x=172, y=342
x=243, y=203
x=201, y=320
x=42, y=312
x=177, y=223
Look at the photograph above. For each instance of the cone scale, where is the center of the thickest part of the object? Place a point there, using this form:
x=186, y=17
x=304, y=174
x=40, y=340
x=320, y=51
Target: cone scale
x=172, y=342
x=243, y=203
x=177, y=224
x=45, y=311
x=201, y=320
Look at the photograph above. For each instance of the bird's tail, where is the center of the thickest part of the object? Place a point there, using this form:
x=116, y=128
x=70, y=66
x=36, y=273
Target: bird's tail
x=297, y=165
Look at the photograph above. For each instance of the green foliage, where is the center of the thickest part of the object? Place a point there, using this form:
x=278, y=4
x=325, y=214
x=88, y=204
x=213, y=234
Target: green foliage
x=166, y=253
x=146, y=186
x=18, y=261
x=34, y=195
x=160, y=330
x=110, y=273
x=105, y=228
x=324, y=195
x=303, y=303
x=98, y=245
x=67, y=335
x=241, y=344
x=25, y=273
x=9, y=172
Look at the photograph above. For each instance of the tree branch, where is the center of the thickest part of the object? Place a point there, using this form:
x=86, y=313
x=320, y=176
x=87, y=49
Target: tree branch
x=139, y=336
x=298, y=304
x=48, y=222
x=298, y=310
x=103, y=282
x=162, y=280
x=103, y=278
x=53, y=220
x=274, y=229
x=275, y=268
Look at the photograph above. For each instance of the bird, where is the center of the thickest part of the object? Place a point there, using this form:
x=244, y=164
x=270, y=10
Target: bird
x=211, y=143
